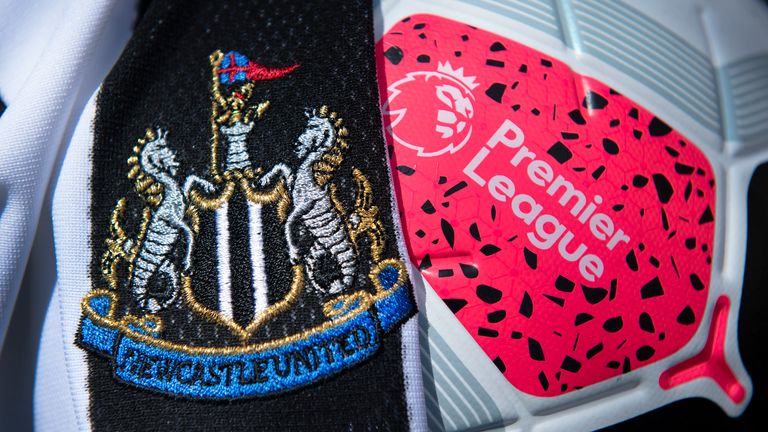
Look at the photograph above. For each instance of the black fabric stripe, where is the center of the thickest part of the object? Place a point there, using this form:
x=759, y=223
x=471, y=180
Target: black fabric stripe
x=162, y=80
x=240, y=261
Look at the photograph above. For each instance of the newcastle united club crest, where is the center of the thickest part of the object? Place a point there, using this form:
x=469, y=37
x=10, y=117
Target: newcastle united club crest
x=245, y=277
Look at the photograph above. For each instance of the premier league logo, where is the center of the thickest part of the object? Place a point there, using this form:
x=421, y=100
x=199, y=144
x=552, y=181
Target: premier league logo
x=245, y=277
x=449, y=105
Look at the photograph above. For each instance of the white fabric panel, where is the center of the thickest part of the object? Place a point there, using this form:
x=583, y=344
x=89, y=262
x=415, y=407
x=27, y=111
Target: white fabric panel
x=32, y=127
x=97, y=31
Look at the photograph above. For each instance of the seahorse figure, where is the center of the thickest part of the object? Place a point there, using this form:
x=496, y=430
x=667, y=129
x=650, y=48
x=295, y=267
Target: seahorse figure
x=156, y=163
x=314, y=216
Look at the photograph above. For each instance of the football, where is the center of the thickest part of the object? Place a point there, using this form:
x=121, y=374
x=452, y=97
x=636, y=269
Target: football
x=572, y=181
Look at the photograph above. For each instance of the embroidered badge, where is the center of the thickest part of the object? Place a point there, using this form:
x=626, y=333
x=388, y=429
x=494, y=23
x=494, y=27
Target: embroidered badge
x=243, y=278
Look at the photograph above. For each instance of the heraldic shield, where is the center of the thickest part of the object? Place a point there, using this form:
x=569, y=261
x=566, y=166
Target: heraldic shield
x=246, y=277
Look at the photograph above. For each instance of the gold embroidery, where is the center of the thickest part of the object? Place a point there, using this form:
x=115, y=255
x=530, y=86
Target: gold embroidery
x=368, y=217
x=206, y=203
x=150, y=324
x=116, y=246
x=194, y=218
x=126, y=322
x=402, y=275
x=217, y=101
x=346, y=303
x=145, y=186
x=119, y=246
x=325, y=168
x=282, y=205
x=337, y=204
x=279, y=193
x=236, y=178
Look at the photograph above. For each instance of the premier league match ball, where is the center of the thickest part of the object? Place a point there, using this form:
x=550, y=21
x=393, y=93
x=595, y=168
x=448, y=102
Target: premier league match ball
x=572, y=178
